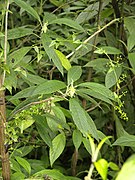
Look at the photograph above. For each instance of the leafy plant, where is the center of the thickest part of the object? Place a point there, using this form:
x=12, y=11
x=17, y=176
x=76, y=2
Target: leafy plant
x=66, y=86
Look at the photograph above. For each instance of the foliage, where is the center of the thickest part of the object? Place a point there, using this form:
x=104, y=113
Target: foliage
x=69, y=87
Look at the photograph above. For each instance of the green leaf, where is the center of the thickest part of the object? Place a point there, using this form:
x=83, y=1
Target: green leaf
x=68, y=22
x=46, y=41
x=24, y=164
x=131, y=41
x=15, y=166
x=56, y=122
x=107, y=50
x=65, y=62
x=19, y=32
x=87, y=145
x=113, y=166
x=74, y=74
x=55, y=174
x=23, y=151
x=49, y=87
x=131, y=57
x=18, y=55
x=24, y=124
x=94, y=94
x=58, y=145
x=81, y=119
x=17, y=175
x=43, y=129
x=27, y=92
x=112, y=76
x=128, y=169
x=34, y=79
x=77, y=138
x=102, y=168
x=129, y=22
x=28, y=8
x=125, y=140
x=98, y=64
x=99, y=89
x=59, y=113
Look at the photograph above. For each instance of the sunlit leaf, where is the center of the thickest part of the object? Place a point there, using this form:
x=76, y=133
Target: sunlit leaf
x=128, y=169
x=107, y=50
x=65, y=62
x=102, y=168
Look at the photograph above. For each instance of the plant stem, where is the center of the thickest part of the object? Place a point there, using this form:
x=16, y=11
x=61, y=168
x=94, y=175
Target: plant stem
x=93, y=35
x=3, y=153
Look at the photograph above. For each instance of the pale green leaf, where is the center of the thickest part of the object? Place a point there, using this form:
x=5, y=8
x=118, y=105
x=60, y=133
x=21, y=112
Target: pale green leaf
x=112, y=76
x=24, y=124
x=58, y=145
x=131, y=41
x=87, y=145
x=74, y=74
x=113, y=166
x=55, y=174
x=65, y=62
x=128, y=169
x=19, y=32
x=24, y=163
x=125, y=140
x=14, y=165
x=129, y=22
x=77, y=138
x=17, y=175
x=102, y=168
x=107, y=50
x=131, y=57
x=28, y=8
x=68, y=22
x=46, y=41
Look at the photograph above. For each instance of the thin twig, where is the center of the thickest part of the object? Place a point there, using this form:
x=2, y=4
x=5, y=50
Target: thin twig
x=93, y=35
x=94, y=107
x=31, y=104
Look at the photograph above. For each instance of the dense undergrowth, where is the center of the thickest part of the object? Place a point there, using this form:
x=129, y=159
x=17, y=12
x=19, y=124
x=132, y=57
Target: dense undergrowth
x=67, y=79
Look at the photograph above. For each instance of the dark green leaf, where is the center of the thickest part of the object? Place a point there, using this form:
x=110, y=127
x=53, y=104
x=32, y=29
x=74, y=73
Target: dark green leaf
x=68, y=22
x=19, y=32
x=24, y=164
x=28, y=8
x=81, y=119
x=46, y=41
